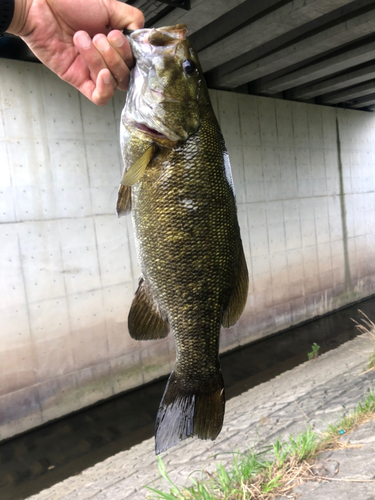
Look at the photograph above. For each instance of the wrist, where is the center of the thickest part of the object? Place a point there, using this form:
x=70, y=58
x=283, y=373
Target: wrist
x=19, y=17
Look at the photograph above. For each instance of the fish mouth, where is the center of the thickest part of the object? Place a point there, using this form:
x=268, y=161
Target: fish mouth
x=150, y=131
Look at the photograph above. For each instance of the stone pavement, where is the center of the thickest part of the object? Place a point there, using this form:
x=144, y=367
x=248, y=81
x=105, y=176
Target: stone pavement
x=314, y=393
x=351, y=471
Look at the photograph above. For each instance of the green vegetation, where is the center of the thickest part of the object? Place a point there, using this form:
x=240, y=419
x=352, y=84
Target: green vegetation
x=314, y=351
x=272, y=471
x=371, y=364
x=362, y=413
x=367, y=327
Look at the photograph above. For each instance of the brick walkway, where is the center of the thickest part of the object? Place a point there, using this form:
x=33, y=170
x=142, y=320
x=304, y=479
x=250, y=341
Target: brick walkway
x=315, y=393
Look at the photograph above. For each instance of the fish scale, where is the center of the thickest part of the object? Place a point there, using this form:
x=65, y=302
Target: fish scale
x=194, y=274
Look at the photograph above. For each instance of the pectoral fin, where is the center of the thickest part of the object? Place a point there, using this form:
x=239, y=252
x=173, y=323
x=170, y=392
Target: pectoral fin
x=135, y=172
x=145, y=321
x=238, y=297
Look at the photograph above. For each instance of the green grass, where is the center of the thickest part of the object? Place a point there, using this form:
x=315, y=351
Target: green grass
x=273, y=470
x=367, y=327
x=371, y=363
x=361, y=413
x=314, y=351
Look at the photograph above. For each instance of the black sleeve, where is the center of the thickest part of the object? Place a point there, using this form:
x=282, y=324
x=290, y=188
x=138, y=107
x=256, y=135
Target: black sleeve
x=6, y=15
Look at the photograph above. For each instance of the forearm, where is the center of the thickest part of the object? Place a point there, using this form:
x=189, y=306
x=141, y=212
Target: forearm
x=7, y=9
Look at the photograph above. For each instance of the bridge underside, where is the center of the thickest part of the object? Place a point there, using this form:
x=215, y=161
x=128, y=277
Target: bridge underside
x=316, y=51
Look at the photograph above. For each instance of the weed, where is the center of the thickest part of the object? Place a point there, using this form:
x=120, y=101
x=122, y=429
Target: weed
x=314, y=351
x=255, y=475
x=368, y=327
x=362, y=413
x=280, y=452
x=371, y=364
x=303, y=446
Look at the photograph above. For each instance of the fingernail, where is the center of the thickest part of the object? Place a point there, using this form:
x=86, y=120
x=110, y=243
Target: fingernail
x=102, y=43
x=118, y=41
x=107, y=78
x=84, y=41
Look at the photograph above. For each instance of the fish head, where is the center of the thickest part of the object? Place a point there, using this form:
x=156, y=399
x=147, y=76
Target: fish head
x=165, y=93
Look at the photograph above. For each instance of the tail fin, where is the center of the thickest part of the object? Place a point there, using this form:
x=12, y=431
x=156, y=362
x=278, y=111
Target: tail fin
x=189, y=411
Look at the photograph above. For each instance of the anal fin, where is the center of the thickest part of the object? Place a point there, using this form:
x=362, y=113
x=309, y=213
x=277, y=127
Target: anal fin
x=145, y=321
x=238, y=297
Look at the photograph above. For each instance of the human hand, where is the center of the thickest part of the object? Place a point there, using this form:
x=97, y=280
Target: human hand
x=59, y=33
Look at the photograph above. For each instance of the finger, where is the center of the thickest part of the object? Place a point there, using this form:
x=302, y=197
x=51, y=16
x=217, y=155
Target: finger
x=113, y=61
x=105, y=88
x=98, y=91
x=138, y=20
x=92, y=57
x=120, y=43
x=126, y=16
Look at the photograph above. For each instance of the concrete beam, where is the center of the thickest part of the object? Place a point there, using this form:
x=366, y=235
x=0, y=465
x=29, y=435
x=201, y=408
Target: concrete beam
x=363, y=102
x=323, y=68
x=201, y=14
x=228, y=23
x=273, y=24
x=342, y=81
x=151, y=10
x=348, y=94
x=344, y=32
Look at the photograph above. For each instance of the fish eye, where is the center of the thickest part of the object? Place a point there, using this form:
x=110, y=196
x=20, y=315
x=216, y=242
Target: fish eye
x=189, y=66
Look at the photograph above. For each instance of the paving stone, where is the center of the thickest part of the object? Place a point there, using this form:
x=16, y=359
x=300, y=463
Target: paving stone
x=363, y=434
x=313, y=394
x=349, y=464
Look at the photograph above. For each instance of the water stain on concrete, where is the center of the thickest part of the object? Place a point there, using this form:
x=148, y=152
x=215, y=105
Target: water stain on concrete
x=348, y=280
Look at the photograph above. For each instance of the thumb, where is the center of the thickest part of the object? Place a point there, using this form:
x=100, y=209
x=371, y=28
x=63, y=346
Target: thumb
x=124, y=15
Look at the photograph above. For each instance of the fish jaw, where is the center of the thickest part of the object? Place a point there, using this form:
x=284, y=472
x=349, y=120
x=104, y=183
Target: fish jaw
x=162, y=97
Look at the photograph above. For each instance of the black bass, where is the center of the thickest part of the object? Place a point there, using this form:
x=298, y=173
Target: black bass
x=178, y=184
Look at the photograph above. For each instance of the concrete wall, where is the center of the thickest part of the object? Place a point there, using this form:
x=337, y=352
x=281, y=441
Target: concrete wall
x=305, y=185
x=69, y=267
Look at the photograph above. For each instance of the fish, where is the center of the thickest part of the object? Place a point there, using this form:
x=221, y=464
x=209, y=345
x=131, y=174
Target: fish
x=178, y=186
